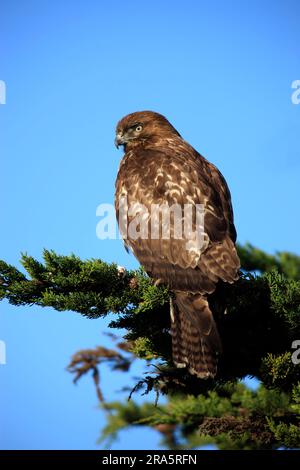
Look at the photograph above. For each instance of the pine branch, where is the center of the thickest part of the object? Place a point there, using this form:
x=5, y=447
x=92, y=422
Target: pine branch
x=90, y=360
x=260, y=324
x=231, y=417
x=254, y=259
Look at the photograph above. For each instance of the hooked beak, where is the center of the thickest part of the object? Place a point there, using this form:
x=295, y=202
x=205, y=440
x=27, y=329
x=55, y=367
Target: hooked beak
x=119, y=140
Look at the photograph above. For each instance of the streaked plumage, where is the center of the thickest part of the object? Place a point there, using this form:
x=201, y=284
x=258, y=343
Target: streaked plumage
x=159, y=167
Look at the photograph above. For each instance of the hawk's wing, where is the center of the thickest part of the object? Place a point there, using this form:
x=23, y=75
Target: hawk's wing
x=179, y=175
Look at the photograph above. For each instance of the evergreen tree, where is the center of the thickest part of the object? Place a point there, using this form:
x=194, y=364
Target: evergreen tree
x=260, y=331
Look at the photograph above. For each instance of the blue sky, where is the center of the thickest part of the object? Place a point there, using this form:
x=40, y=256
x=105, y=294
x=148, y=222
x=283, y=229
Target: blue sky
x=220, y=71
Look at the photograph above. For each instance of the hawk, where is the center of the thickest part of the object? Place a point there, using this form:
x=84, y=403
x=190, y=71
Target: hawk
x=160, y=168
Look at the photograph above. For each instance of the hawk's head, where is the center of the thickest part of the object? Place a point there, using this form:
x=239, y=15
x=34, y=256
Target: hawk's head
x=141, y=127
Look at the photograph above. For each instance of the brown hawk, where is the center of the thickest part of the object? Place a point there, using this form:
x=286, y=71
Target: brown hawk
x=160, y=168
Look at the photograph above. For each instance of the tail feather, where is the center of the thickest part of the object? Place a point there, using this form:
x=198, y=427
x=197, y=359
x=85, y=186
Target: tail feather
x=195, y=339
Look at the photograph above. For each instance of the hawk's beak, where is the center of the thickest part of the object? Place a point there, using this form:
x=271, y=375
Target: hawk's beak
x=119, y=140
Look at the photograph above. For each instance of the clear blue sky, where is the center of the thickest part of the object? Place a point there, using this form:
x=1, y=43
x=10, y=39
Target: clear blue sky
x=220, y=71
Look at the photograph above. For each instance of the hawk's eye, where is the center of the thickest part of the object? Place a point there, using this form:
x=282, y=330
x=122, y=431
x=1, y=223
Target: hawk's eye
x=138, y=128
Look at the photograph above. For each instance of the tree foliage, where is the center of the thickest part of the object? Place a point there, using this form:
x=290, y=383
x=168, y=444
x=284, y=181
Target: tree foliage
x=258, y=330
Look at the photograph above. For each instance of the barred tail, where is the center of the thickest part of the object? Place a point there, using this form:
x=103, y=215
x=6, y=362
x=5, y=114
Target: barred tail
x=195, y=339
